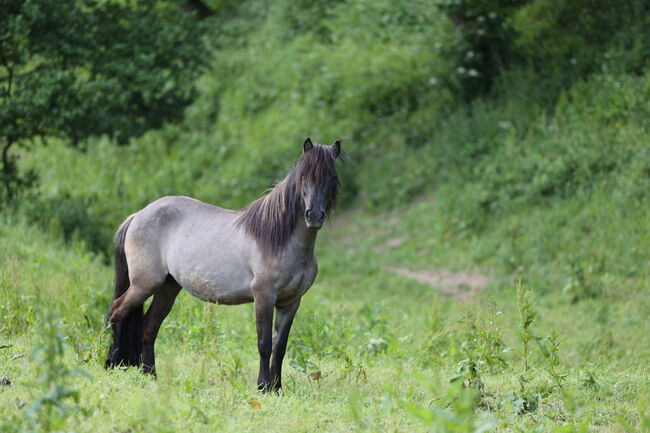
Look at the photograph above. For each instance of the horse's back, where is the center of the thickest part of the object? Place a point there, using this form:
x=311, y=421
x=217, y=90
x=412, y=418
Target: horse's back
x=158, y=221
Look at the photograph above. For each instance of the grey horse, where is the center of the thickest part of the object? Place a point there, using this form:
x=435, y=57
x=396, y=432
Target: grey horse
x=263, y=253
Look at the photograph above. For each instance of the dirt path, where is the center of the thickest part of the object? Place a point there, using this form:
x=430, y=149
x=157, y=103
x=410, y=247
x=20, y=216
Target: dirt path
x=459, y=285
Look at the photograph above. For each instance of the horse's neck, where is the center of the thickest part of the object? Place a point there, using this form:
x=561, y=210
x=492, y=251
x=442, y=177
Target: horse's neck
x=303, y=240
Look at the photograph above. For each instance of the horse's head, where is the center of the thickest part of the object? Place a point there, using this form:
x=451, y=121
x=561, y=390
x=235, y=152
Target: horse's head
x=317, y=181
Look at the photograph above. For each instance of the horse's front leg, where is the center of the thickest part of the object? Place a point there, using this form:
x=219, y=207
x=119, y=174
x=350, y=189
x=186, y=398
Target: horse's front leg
x=264, y=303
x=283, y=320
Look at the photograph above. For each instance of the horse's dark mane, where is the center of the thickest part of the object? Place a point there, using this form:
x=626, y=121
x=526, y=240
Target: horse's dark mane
x=272, y=218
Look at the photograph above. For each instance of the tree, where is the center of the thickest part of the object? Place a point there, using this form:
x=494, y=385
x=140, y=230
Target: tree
x=87, y=68
x=485, y=43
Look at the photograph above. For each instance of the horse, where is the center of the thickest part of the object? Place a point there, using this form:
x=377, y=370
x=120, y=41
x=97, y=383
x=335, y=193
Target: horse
x=263, y=253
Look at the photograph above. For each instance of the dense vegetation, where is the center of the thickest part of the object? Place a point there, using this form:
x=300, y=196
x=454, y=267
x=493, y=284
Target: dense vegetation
x=508, y=139
x=89, y=69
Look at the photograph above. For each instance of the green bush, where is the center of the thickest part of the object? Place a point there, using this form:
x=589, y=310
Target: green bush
x=574, y=37
x=593, y=135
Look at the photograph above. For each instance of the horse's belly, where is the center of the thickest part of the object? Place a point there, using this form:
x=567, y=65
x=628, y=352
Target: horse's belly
x=211, y=262
x=219, y=286
x=218, y=292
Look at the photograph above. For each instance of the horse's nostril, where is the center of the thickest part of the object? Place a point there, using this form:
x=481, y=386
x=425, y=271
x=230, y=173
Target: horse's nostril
x=314, y=216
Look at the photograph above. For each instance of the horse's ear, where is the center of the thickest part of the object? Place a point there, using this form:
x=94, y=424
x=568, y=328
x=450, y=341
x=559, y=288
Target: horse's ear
x=307, y=145
x=336, y=148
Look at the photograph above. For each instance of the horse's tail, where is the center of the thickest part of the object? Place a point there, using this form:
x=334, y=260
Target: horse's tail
x=127, y=335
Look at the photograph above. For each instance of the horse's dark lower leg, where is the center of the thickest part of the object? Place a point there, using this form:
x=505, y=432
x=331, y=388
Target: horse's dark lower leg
x=126, y=318
x=283, y=320
x=162, y=303
x=264, y=323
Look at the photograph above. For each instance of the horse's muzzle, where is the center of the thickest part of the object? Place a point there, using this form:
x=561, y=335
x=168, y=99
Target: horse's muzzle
x=314, y=219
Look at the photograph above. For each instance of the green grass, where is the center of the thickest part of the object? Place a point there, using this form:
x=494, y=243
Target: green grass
x=386, y=346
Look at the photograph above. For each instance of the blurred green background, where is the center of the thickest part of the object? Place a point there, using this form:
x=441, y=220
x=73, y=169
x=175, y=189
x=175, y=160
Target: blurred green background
x=513, y=103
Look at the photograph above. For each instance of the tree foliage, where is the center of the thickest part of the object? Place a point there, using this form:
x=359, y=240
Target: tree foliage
x=566, y=39
x=91, y=68
x=484, y=45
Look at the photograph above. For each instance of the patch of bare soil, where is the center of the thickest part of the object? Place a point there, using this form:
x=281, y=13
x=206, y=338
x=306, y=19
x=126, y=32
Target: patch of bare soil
x=394, y=219
x=459, y=285
x=391, y=243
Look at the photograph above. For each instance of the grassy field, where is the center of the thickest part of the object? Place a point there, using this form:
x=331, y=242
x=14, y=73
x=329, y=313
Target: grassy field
x=372, y=350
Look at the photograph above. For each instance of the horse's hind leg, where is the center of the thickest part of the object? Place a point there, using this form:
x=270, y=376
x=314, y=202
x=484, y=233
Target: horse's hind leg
x=122, y=306
x=163, y=300
x=127, y=319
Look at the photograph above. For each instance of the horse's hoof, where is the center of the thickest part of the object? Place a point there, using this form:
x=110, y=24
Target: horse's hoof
x=149, y=371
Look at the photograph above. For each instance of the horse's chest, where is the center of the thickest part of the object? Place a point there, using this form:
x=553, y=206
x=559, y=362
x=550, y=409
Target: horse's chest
x=292, y=282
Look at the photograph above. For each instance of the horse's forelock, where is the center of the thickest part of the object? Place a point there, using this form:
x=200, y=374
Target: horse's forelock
x=272, y=218
x=317, y=164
